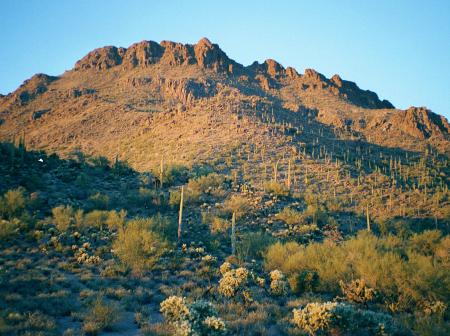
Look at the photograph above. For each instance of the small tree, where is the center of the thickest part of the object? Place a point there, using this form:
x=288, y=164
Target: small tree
x=12, y=202
x=62, y=216
x=138, y=247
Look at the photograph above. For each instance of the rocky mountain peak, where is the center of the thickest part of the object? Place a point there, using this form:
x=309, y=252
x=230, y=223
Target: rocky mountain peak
x=143, y=54
x=423, y=123
x=101, y=58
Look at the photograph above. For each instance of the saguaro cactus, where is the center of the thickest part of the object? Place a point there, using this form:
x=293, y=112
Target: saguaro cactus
x=368, y=217
x=180, y=214
x=275, y=171
x=161, y=173
x=289, y=175
x=233, y=234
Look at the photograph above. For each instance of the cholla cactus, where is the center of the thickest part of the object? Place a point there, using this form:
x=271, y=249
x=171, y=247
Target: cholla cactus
x=314, y=316
x=278, y=284
x=183, y=328
x=199, y=318
x=174, y=309
x=232, y=281
x=214, y=323
x=83, y=257
x=357, y=291
x=261, y=282
x=434, y=307
x=225, y=267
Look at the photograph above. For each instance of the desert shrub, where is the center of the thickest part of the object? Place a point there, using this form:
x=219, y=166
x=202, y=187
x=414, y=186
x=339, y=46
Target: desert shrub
x=199, y=318
x=96, y=218
x=99, y=201
x=39, y=323
x=196, y=190
x=396, y=227
x=12, y=202
x=101, y=316
x=237, y=204
x=289, y=216
x=148, y=197
x=403, y=283
x=305, y=281
x=62, y=216
x=9, y=228
x=357, y=291
x=252, y=245
x=99, y=162
x=207, y=183
x=164, y=226
x=78, y=218
x=316, y=213
x=348, y=318
x=173, y=174
x=278, y=283
x=116, y=220
x=276, y=188
x=425, y=243
x=215, y=223
x=138, y=247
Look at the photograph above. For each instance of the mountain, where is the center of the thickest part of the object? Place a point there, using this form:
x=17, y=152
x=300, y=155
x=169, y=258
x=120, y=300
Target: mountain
x=185, y=102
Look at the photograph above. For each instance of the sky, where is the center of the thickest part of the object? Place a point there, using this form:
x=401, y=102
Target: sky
x=399, y=49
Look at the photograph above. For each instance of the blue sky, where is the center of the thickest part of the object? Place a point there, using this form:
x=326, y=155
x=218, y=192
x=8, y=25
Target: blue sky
x=399, y=49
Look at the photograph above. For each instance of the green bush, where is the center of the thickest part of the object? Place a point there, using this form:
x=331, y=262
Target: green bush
x=62, y=217
x=207, y=183
x=305, y=281
x=99, y=201
x=253, y=245
x=290, y=216
x=101, y=316
x=9, y=228
x=215, y=223
x=197, y=189
x=276, y=188
x=12, y=202
x=96, y=218
x=237, y=204
x=116, y=220
x=403, y=282
x=138, y=247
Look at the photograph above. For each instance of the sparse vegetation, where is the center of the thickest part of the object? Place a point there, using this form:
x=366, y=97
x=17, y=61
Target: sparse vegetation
x=288, y=225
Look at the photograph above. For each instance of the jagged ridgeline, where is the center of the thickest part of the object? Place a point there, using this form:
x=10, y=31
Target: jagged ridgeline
x=166, y=189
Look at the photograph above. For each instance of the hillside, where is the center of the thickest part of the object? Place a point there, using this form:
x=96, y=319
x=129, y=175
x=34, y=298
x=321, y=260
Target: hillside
x=165, y=189
x=152, y=100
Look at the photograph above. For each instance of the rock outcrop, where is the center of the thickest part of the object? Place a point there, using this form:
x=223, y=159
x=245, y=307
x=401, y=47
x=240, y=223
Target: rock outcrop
x=422, y=123
x=101, y=58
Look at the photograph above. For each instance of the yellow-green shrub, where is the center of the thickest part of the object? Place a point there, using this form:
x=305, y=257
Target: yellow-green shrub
x=12, y=202
x=62, y=216
x=138, y=247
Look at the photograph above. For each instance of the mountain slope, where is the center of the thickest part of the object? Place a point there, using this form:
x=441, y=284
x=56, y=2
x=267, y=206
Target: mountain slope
x=185, y=102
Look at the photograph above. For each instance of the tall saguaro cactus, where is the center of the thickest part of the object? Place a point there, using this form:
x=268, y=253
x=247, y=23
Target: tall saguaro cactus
x=275, y=171
x=180, y=214
x=368, y=217
x=233, y=234
x=289, y=175
x=161, y=173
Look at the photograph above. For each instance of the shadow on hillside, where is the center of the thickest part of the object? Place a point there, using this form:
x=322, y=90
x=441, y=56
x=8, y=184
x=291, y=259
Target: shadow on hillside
x=80, y=181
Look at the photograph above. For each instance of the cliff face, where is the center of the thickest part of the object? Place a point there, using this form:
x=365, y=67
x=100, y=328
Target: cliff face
x=123, y=96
